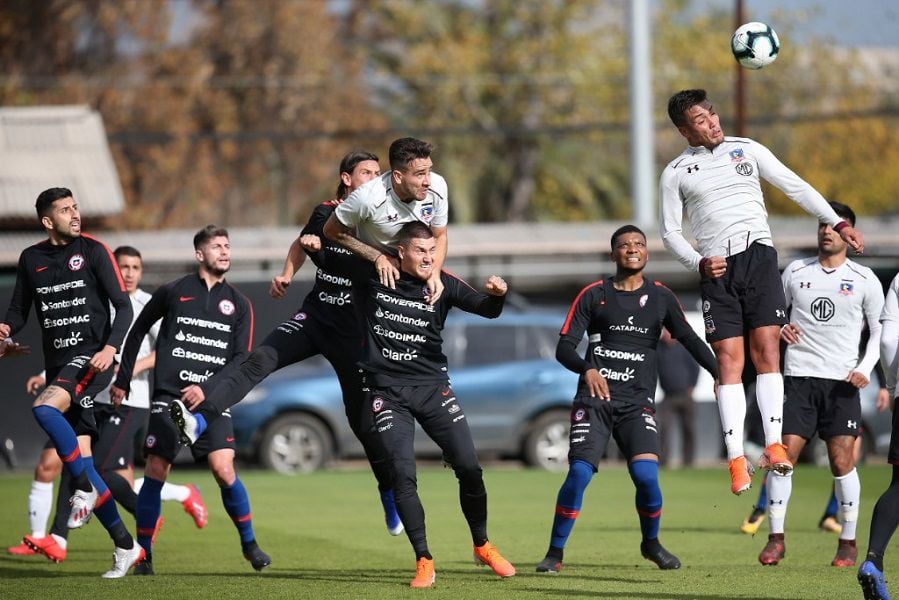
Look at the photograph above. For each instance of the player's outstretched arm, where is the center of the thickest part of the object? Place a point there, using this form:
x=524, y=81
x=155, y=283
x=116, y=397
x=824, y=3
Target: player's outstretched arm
x=292, y=263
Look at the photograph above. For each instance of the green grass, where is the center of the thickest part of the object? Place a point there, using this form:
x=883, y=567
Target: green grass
x=327, y=540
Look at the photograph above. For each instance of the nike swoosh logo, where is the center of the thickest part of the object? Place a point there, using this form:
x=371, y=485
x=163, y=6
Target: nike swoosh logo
x=229, y=439
x=187, y=298
x=63, y=380
x=445, y=392
x=39, y=269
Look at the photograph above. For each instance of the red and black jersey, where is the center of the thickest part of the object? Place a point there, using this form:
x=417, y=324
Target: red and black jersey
x=71, y=287
x=623, y=330
x=204, y=333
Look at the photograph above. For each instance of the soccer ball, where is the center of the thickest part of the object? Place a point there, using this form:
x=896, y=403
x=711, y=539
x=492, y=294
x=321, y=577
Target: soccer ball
x=755, y=45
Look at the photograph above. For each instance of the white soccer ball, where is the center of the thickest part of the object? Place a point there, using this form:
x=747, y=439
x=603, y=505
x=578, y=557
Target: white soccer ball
x=755, y=45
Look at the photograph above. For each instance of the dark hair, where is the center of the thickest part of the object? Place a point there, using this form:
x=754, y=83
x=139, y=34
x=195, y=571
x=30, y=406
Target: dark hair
x=625, y=229
x=127, y=251
x=46, y=199
x=405, y=150
x=413, y=230
x=843, y=211
x=348, y=164
x=683, y=101
x=207, y=233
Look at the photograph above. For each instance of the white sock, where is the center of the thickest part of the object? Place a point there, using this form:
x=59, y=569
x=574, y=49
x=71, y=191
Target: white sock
x=779, y=489
x=732, y=410
x=63, y=542
x=848, y=489
x=769, y=392
x=169, y=491
x=40, y=503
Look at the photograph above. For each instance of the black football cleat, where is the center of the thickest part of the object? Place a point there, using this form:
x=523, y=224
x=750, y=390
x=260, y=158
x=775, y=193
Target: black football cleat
x=653, y=550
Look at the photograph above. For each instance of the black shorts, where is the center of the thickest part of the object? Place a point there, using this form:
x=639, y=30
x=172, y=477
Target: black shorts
x=163, y=439
x=893, y=454
x=749, y=295
x=119, y=428
x=827, y=407
x=82, y=384
x=593, y=421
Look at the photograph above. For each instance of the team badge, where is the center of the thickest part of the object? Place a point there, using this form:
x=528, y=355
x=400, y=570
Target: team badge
x=151, y=441
x=377, y=404
x=706, y=306
x=76, y=261
x=427, y=213
x=579, y=414
x=226, y=307
x=643, y=299
x=846, y=288
x=736, y=155
x=744, y=169
x=86, y=402
x=300, y=316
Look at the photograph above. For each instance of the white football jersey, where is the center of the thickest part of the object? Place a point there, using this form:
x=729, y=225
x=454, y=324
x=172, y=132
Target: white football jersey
x=721, y=193
x=139, y=396
x=889, y=342
x=831, y=307
x=377, y=213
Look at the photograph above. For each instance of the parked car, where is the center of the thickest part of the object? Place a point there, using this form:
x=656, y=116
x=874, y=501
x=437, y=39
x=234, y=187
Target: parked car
x=516, y=397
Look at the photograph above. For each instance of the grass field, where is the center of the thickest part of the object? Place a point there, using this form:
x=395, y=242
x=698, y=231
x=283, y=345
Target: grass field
x=327, y=540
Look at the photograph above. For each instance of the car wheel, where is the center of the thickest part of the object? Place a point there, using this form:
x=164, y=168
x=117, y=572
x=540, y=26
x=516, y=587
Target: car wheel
x=546, y=444
x=296, y=443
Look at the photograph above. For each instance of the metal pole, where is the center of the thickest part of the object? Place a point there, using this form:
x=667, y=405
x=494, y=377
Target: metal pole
x=642, y=164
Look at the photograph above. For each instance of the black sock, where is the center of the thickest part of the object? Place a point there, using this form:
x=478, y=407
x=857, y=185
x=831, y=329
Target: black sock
x=120, y=536
x=424, y=554
x=121, y=490
x=877, y=559
x=63, y=509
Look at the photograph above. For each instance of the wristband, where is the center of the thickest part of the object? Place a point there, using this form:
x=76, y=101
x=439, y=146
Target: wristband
x=841, y=226
x=702, y=263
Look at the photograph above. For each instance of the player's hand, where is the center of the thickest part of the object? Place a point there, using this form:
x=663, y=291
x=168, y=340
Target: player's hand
x=5, y=330
x=597, y=384
x=713, y=266
x=117, y=395
x=311, y=242
x=883, y=400
x=10, y=348
x=497, y=286
x=853, y=237
x=857, y=379
x=790, y=333
x=279, y=286
x=435, y=287
x=388, y=271
x=192, y=395
x=103, y=359
x=36, y=382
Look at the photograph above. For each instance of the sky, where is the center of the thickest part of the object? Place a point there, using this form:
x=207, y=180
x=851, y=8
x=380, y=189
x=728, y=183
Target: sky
x=853, y=23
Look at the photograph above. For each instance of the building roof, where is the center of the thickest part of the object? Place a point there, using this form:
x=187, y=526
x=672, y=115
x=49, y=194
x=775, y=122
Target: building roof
x=56, y=146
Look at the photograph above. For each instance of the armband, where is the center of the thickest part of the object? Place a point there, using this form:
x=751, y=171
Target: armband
x=702, y=263
x=841, y=226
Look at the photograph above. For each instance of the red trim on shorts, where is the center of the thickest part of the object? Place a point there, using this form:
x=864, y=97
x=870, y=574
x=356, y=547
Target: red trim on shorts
x=85, y=381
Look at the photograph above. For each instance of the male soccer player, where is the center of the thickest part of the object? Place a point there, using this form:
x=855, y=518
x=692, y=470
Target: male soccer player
x=623, y=318
x=886, y=512
x=716, y=180
x=113, y=451
x=830, y=298
x=71, y=278
x=325, y=324
x=370, y=219
x=206, y=330
x=406, y=373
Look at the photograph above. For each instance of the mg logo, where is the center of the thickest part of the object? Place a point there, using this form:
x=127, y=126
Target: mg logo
x=823, y=309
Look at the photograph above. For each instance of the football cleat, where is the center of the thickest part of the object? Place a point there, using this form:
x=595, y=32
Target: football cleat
x=195, y=507
x=654, y=551
x=871, y=579
x=774, y=550
x=391, y=516
x=550, y=564
x=123, y=559
x=425, y=576
x=144, y=567
x=752, y=523
x=490, y=556
x=188, y=427
x=829, y=523
x=48, y=546
x=740, y=474
x=82, y=504
x=846, y=554
x=22, y=549
x=258, y=559
x=775, y=458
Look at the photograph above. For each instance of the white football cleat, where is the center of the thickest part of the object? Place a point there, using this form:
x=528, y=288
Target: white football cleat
x=123, y=559
x=82, y=504
x=188, y=429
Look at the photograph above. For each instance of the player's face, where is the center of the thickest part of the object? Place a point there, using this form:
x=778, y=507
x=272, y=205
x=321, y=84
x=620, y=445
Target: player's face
x=215, y=255
x=362, y=173
x=64, y=220
x=412, y=183
x=829, y=241
x=132, y=268
x=417, y=258
x=630, y=253
x=703, y=126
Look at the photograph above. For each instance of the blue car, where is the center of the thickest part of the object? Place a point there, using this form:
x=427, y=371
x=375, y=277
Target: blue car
x=516, y=397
